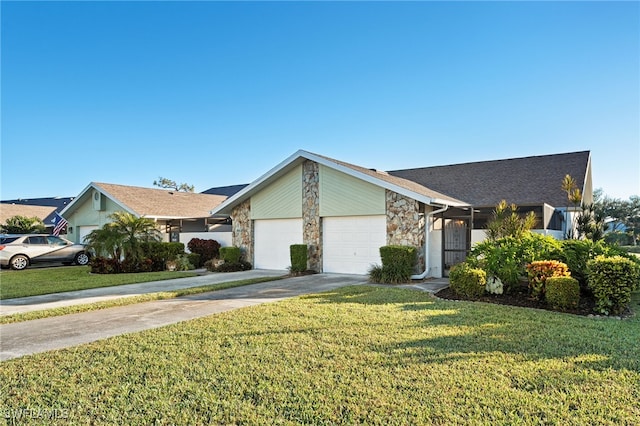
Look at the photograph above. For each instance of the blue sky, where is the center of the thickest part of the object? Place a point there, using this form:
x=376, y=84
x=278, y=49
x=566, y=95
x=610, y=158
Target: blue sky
x=218, y=93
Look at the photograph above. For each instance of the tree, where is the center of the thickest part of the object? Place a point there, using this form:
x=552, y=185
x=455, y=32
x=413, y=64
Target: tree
x=23, y=225
x=506, y=221
x=171, y=184
x=122, y=238
x=623, y=214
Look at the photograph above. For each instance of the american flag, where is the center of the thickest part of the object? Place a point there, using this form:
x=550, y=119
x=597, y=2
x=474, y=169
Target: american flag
x=59, y=223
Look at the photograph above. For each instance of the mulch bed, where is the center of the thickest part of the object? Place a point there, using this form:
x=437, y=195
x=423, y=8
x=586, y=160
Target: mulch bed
x=521, y=298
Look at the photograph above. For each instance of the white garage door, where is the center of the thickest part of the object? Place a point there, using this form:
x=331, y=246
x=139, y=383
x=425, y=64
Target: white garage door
x=272, y=239
x=83, y=231
x=352, y=244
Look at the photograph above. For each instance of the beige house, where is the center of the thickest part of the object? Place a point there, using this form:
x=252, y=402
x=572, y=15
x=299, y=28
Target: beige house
x=180, y=215
x=344, y=213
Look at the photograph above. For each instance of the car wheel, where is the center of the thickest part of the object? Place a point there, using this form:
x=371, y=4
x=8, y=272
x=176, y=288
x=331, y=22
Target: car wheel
x=19, y=262
x=82, y=259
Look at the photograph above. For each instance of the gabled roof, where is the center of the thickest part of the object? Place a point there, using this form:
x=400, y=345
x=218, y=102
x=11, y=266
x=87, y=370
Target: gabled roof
x=8, y=210
x=151, y=203
x=382, y=179
x=227, y=191
x=527, y=180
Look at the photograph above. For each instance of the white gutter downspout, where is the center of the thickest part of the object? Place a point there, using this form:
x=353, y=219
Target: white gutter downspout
x=426, y=243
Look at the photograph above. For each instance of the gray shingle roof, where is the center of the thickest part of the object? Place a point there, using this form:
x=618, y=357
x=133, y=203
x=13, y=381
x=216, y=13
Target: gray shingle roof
x=227, y=191
x=527, y=180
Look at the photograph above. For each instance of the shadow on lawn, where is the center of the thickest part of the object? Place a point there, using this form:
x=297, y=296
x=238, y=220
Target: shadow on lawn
x=463, y=330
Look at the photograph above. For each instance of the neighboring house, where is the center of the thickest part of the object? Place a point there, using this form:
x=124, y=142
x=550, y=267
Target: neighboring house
x=227, y=191
x=180, y=215
x=345, y=213
x=41, y=212
x=52, y=205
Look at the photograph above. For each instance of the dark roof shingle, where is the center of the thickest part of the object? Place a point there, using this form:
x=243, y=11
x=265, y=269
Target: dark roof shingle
x=527, y=180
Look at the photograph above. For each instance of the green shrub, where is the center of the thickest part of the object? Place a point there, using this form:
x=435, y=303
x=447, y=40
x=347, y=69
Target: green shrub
x=195, y=260
x=241, y=265
x=612, y=279
x=562, y=292
x=375, y=274
x=397, y=264
x=160, y=252
x=230, y=254
x=467, y=281
x=538, y=273
x=298, y=253
x=576, y=253
x=183, y=263
x=506, y=258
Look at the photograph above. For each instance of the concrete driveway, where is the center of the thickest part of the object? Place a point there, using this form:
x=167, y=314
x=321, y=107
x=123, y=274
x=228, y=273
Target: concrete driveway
x=24, y=338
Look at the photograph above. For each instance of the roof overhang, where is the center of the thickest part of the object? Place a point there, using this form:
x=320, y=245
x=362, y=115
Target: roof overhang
x=86, y=192
x=300, y=157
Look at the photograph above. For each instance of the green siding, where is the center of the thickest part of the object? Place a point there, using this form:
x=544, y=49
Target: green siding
x=86, y=215
x=344, y=195
x=280, y=200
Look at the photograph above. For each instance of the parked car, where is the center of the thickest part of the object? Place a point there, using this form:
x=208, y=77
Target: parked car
x=21, y=250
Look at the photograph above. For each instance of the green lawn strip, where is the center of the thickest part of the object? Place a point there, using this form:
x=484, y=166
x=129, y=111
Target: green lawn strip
x=34, y=282
x=130, y=300
x=357, y=355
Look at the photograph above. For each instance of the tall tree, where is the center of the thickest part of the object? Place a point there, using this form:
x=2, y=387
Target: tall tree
x=171, y=184
x=624, y=215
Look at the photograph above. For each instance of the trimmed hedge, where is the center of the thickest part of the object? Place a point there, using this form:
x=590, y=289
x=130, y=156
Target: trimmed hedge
x=612, y=279
x=562, y=292
x=230, y=254
x=467, y=281
x=397, y=265
x=298, y=253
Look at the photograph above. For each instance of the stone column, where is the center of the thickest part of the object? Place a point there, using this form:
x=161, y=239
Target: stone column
x=405, y=224
x=311, y=214
x=242, y=231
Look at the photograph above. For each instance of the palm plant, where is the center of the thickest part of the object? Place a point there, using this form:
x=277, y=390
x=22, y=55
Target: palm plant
x=574, y=196
x=506, y=221
x=122, y=238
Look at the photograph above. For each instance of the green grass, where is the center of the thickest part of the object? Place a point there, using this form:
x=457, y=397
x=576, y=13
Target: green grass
x=358, y=355
x=124, y=301
x=33, y=282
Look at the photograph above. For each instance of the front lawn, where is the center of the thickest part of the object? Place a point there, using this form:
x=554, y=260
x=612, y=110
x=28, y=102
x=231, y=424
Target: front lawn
x=33, y=282
x=362, y=354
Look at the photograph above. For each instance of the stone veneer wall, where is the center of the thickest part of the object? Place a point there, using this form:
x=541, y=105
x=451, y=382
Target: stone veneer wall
x=405, y=224
x=242, y=232
x=312, y=231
